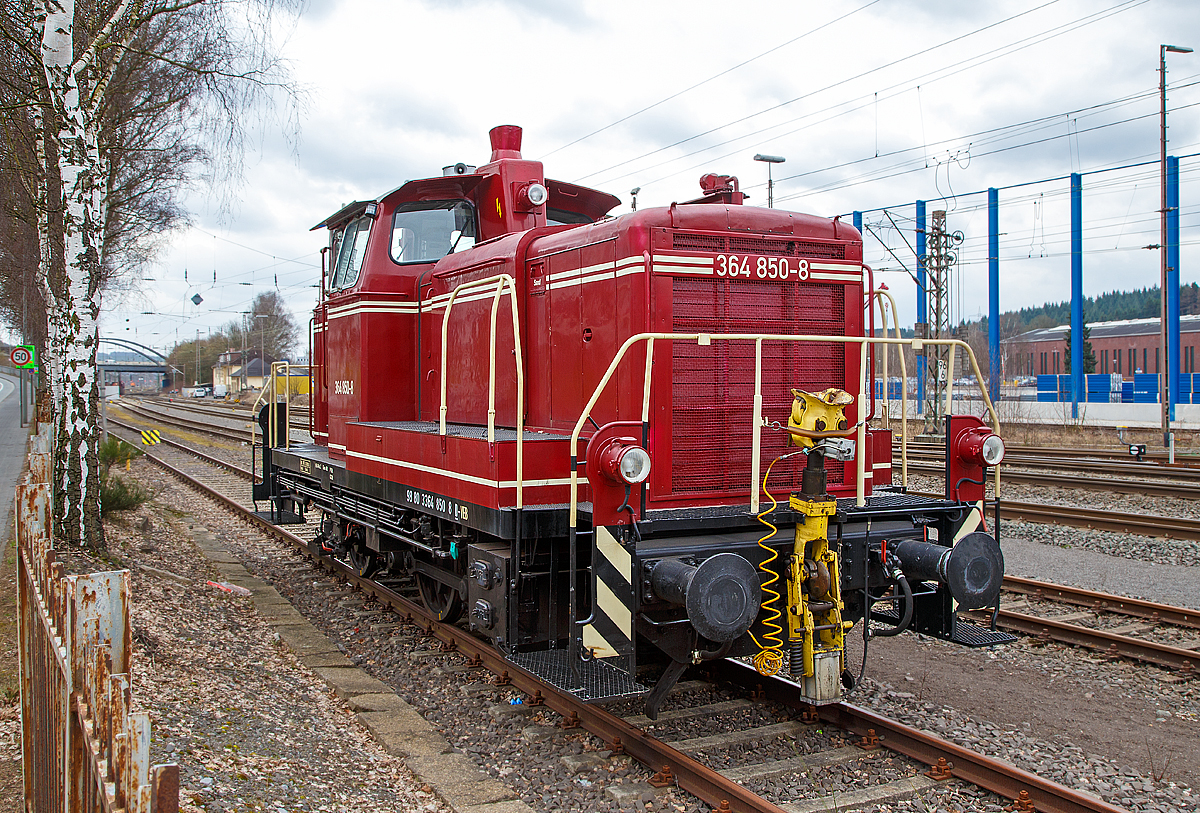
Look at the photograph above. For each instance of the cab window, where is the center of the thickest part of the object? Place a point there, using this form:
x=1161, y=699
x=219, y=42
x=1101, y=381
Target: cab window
x=350, y=246
x=425, y=231
x=562, y=217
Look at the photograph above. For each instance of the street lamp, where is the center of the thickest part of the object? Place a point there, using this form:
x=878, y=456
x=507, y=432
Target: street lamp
x=768, y=160
x=1165, y=368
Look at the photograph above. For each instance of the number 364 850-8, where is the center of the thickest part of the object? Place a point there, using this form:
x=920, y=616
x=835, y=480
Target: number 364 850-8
x=733, y=265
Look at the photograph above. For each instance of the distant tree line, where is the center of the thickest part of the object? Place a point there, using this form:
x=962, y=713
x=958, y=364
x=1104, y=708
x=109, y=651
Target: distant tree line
x=1109, y=307
x=1113, y=306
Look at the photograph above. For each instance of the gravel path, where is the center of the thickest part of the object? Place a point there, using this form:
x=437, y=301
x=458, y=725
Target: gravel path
x=251, y=728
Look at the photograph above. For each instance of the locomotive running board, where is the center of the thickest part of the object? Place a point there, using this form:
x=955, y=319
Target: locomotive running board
x=598, y=679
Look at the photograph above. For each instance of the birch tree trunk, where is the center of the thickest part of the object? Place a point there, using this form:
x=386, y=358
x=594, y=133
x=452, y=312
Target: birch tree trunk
x=228, y=63
x=76, y=297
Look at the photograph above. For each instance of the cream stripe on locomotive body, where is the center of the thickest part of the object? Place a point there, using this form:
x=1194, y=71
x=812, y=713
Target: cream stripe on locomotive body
x=557, y=423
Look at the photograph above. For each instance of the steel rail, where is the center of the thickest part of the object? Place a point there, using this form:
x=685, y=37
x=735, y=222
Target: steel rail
x=1153, y=457
x=1118, y=468
x=237, y=413
x=238, y=470
x=1075, y=516
x=1104, y=602
x=1165, y=655
x=1151, y=489
x=185, y=423
x=978, y=769
x=1096, y=519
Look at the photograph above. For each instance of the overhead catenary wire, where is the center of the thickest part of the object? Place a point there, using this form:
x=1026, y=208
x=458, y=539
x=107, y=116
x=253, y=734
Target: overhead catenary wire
x=712, y=78
x=1125, y=5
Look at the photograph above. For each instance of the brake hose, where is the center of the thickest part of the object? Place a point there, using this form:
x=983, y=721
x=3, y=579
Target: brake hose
x=906, y=619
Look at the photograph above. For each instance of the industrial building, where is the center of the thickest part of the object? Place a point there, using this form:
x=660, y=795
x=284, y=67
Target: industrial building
x=1126, y=347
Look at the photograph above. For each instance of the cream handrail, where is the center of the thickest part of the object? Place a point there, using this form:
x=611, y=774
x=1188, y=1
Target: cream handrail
x=903, y=384
x=758, y=338
x=502, y=282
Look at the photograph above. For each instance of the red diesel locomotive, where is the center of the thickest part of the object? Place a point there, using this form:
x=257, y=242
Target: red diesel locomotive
x=613, y=440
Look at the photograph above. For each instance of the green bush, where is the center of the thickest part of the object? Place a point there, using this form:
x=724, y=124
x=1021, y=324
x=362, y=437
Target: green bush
x=121, y=495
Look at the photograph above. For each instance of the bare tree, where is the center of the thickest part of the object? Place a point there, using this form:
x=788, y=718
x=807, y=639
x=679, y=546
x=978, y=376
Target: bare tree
x=276, y=330
x=120, y=82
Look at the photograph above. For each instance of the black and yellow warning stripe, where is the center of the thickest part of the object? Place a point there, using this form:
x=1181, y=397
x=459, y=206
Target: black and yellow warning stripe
x=610, y=634
x=150, y=437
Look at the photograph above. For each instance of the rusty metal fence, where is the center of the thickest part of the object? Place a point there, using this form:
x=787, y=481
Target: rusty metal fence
x=83, y=748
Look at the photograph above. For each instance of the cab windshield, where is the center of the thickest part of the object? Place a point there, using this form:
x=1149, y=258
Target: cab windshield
x=350, y=246
x=425, y=231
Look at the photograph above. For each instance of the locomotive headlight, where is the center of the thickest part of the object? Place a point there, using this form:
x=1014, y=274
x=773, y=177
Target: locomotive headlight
x=624, y=462
x=634, y=465
x=992, y=451
x=532, y=195
x=981, y=446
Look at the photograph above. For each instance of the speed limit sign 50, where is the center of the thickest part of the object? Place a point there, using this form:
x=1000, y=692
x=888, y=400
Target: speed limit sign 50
x=22, y=356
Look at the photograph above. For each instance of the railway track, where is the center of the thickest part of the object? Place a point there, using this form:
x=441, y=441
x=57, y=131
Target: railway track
x=1066, y=456
x=1115, y=625
x=1116, y=461
x=242, y=433
x=1031, y=460
x=1102, y=519
x=1045, y=479
x=675, y=762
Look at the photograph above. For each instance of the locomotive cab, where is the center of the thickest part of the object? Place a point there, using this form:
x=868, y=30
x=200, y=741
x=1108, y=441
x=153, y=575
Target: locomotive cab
x=576, y=432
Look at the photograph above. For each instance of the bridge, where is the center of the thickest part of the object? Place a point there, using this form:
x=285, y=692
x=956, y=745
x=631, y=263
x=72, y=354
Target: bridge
x=155, y=362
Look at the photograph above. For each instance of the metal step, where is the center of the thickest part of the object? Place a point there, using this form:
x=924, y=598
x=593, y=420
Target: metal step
x=598, y=680
x=973, y=635
x=965, y=632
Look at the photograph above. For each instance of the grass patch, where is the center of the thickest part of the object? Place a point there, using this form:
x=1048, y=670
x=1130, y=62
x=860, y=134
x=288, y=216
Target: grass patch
x=117, y=494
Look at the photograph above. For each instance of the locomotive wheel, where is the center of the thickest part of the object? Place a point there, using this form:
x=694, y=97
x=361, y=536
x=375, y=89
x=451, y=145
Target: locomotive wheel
x=440, y=599
x=362, y=560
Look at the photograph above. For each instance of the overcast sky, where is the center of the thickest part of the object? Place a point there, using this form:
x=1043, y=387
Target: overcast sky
x=874, y=104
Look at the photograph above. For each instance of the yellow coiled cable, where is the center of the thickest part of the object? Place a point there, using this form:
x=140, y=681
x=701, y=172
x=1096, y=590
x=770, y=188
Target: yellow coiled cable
x=769, y=659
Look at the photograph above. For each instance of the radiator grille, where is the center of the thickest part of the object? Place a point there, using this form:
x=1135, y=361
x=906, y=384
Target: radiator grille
x=713, y=387
x=698, y=242
x=822, y=251
x=719, y=244
x=760, y=245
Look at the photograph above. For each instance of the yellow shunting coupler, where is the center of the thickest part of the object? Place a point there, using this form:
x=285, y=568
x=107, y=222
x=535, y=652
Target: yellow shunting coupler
x=816, y=631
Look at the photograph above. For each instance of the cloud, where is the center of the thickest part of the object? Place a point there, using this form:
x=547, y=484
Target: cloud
x=404, y=88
